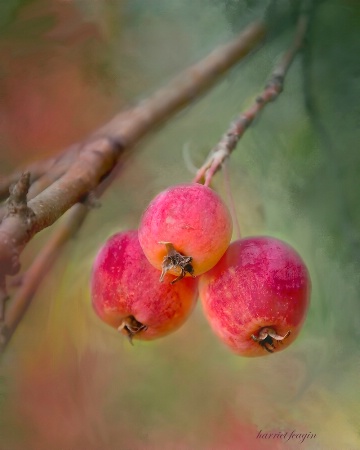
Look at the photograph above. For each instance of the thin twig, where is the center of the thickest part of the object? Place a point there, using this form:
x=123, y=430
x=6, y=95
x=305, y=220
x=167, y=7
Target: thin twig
x=272, y=90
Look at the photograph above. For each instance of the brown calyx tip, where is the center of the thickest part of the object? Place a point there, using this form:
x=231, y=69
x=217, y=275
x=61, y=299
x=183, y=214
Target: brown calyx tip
x=131, y=326
x=177, y=262
x=267, y=337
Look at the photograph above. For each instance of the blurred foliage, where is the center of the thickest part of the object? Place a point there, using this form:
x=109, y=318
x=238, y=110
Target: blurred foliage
x=67, y=381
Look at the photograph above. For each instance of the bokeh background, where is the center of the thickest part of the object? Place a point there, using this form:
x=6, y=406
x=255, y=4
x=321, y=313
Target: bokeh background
x=69, y=382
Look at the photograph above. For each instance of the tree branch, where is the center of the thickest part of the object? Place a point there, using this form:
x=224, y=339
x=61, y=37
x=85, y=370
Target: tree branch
x=99, y=155
x=64, y=181
x=45, y=260
x=274, y=87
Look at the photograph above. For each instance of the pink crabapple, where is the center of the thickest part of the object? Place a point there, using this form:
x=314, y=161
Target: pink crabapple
x=256, y=296
x=127, y=295
x=185, y=230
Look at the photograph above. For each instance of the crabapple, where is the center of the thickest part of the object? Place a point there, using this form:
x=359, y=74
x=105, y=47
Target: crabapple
x=185, y=230
x=257, y=295
x=127, y=295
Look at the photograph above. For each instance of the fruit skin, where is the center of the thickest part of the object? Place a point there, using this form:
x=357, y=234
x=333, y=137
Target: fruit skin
x=124, y=284
x=194, y=219
x=259, y=282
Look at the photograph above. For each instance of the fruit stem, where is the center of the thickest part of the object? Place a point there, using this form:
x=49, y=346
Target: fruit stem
x=266, y=338
x=131, y=326
x=177, y=262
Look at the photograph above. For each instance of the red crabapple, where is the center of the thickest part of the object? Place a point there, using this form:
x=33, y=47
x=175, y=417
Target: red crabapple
x=127, y=295
x=257, y=295
x=185, y=230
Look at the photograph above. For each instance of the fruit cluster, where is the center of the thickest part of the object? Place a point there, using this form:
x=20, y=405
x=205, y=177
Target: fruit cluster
x=255, y=291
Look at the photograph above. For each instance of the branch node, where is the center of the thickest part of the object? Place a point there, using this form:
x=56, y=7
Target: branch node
x=17, y=201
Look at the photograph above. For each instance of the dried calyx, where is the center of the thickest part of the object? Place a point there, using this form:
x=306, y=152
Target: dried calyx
x=267, y=337
x=131, y=326
x=176, y=262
